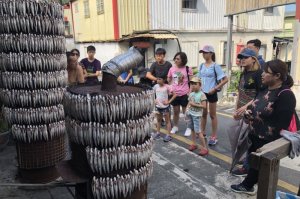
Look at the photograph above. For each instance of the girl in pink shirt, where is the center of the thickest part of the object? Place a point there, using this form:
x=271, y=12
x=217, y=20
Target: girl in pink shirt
x=178, y=77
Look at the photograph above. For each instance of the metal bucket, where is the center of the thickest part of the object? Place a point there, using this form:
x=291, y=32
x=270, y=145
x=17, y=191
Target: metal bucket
x=123, y=62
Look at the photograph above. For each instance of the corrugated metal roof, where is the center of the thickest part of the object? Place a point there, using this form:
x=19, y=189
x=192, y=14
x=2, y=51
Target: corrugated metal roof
x=237, y=6
x=151, y=35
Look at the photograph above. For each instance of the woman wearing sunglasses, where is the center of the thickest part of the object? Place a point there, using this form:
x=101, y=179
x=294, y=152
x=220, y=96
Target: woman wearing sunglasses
x=75, y=71
x=249, y=85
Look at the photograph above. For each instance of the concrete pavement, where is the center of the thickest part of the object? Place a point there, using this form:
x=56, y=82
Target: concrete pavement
x=178, y=173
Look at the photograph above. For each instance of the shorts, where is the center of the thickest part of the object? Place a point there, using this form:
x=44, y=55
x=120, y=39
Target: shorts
x=163, y=111
x=193, y=122
x=212, y=98
x=180, y=101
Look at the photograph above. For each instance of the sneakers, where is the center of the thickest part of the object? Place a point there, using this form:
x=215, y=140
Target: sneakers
x=174, y=129
x=188, y=132
x=167, y=138
x=240, y=172
x=212, y=141
x=240, y=188
x=203, y=152
x=155, y=136
x=192, y=147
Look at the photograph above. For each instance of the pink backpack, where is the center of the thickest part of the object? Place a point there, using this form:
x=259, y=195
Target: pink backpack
x=294, y=124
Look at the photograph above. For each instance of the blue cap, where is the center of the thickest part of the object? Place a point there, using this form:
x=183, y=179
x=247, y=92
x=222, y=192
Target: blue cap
x=247, y=52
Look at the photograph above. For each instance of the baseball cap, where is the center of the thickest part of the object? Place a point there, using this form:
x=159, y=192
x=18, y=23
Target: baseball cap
x=247, y=52
x=195, y=79
x=207, y=49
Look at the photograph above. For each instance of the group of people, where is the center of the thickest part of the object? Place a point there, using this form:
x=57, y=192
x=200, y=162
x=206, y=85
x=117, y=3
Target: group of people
x=89, y=69
x=265, y=101
x=178, y=87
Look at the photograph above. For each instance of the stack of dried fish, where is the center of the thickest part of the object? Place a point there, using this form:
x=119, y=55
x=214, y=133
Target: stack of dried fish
x=108, y=108
x=33, y=71
x=121, y=185
x=111, y=125
x=116, y=158
x=110, y=134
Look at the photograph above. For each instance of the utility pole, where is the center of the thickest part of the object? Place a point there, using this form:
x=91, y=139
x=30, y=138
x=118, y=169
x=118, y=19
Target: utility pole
x=228, y=53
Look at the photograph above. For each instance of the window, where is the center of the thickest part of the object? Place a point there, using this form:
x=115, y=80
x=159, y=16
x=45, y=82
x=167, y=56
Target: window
x=67, y=28
x=269, y=11
x=76, y=7
x=100, y=7
x=189, y=4
x=86, y=9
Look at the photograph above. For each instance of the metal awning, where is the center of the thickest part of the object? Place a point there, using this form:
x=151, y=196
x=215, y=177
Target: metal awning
x=150, y=36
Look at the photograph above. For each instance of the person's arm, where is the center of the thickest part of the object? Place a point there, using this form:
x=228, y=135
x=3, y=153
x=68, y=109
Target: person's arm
x=199, y=105
x=120, y=79
x=222, y=83
x=169, y=78
x=220, y=76
x=80, y=75
x=172, y=98
x=150, y=76
x=150, y=73
x=128, y=76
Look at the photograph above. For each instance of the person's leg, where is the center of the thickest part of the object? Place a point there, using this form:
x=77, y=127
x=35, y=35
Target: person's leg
x=168, y=137
x=213, y=117
x=168, y=121
x=252, y=177
x=214, y=123
x=156, y=135
x=204, y=120
x=176, y=110
x=159, y=119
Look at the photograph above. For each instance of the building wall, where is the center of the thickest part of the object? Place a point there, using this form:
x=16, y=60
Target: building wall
x=258, y=20
x=209, y=16
x=96, y=27
x=104, y=51
x=132, y=16
x=191, y=43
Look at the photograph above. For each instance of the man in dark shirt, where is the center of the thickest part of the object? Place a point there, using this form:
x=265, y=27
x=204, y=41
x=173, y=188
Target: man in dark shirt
x=160, y=66
x=91, y=66
x=255, y=45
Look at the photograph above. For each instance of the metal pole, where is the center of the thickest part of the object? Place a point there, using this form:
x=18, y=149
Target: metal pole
x=228, y=52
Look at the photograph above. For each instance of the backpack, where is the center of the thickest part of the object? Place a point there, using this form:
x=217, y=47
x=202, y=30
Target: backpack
x=216, y=77
x=295, y=122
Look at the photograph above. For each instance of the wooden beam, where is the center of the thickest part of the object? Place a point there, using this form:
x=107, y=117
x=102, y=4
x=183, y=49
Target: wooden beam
x=280, y=147
x=268, y=176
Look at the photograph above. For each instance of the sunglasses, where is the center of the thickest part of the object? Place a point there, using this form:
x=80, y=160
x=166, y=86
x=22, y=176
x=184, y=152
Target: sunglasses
x=244, y=57
x=74, y=54
x=195, y=83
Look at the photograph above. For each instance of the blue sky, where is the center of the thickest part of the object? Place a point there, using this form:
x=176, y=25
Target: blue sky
x=290, y=8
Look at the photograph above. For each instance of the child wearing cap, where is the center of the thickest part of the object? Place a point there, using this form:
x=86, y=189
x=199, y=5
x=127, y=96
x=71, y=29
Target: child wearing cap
x=197, y=102
x=162, y=101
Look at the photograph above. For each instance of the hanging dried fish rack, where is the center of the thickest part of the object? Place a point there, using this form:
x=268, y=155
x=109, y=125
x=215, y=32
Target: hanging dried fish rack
x=32, y=80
